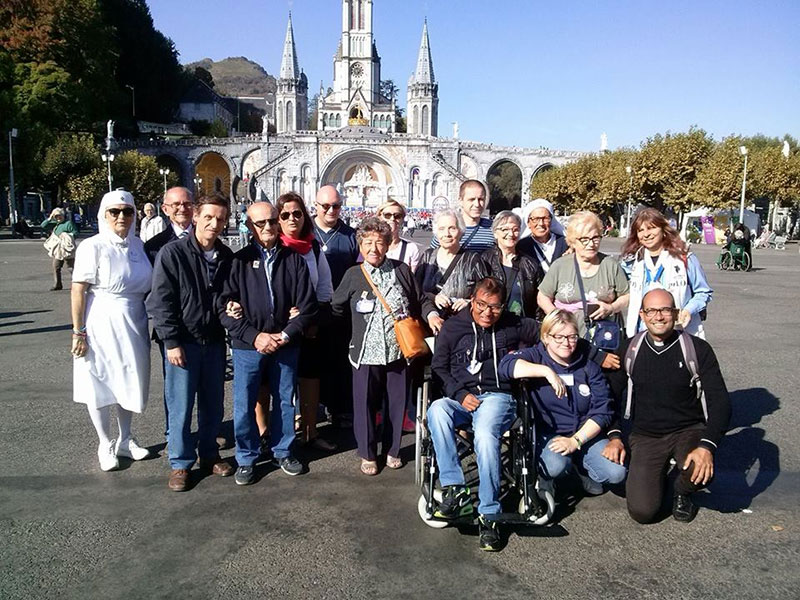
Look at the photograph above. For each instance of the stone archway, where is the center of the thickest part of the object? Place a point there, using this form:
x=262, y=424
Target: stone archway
x=543, y=168
x=364, y=178
x=504, y=179
x=215, y=172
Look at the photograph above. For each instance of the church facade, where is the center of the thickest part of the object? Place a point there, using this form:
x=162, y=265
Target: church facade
x=355, y=146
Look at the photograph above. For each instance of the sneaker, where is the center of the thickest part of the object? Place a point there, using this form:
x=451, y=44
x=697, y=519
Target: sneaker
x=130, y=448
x=245, y=475
x=289, y=465
x=683, y=509
x=107, y=454
x=456, y=502
x=590, y=486
x=488, y=534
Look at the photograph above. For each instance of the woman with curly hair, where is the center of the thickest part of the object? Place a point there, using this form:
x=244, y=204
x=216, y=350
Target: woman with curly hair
x=662, y=260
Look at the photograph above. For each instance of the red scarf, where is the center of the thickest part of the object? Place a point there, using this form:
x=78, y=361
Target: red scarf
x=299, y=245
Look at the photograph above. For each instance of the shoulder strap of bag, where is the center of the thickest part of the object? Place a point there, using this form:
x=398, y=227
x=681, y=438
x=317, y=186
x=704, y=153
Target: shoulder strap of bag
x=450, y=268
x=586, y=318
x=403, y=245
x=690, y=357
x=378, y=295
x=466, y=242
x=628, y=362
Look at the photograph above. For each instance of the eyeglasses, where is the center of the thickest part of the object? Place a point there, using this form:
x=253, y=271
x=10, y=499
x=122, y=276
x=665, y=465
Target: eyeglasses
x=507, y=230
x=590, y=241
x=263, y=223
x=177, y=205
x=482, y=306
x=395, y=216
x=296, y=214
x=539, y=219
x=127, y=212
x=327, y=207
x=664, y=311
x=572, y=338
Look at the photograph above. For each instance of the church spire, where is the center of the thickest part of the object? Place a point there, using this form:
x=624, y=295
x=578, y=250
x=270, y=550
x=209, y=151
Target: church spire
x=424, y=71
x=289, y=65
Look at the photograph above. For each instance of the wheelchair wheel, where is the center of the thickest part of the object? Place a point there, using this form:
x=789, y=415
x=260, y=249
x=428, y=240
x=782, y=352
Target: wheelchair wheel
x=546, y=496
x=726, y=261
x=422, y=510
x=745, y=266
x=420, y=433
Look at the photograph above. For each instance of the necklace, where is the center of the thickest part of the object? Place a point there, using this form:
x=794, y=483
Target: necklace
x=322, y=236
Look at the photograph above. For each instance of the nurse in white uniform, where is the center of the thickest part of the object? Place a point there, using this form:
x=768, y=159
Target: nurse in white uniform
x=110, y=342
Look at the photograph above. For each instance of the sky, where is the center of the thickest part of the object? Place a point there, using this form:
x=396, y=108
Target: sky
x=542, y=74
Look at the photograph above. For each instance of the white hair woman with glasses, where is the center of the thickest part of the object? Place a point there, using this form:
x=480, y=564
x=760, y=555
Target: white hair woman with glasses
x=110, y=341
x=152, y=224
x=400, y=249
x=572, y=403
x=605, y=287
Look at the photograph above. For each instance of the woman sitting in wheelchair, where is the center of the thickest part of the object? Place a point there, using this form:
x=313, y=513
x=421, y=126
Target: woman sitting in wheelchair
x=572, y=404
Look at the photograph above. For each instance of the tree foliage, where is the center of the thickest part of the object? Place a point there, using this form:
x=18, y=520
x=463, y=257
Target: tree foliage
x=505, y=186
x=138, y=173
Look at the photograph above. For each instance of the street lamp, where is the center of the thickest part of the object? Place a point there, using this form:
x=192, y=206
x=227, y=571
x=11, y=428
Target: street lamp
x=108, y=159
x=13, y=204
x=743, y=152
x=197, y=183
x=629, y=171
x=133, y=99
x=164, y=173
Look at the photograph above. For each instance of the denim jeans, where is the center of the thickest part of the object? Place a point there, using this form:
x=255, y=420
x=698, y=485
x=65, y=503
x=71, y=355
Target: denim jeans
x=204, y=377
x=249, y=367
x=489, y=421
x=553, y=465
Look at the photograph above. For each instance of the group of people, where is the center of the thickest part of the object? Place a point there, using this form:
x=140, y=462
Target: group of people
x=509, y=298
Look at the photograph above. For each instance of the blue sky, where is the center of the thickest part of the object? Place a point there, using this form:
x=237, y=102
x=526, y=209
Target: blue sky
x=534, y=73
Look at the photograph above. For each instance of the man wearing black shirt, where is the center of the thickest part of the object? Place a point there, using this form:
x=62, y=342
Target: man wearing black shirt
x=669, y=420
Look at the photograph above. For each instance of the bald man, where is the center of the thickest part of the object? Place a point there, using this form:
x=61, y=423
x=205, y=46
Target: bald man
x=670, y=419
x=178, y=205
x=267, y=279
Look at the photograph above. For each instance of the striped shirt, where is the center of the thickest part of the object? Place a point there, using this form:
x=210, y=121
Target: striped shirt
x=480, y=240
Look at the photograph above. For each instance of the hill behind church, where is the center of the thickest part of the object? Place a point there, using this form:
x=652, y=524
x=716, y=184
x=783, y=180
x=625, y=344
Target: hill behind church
x=237, y=76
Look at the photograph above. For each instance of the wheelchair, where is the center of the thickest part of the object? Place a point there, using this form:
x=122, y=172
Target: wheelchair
x=521, y=487
x=735, y=257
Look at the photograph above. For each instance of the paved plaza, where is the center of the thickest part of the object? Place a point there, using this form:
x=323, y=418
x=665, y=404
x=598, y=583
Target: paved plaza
x=69, y=530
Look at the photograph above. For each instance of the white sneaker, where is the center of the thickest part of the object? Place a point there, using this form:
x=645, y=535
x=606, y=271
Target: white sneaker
x=131, y=449
x=108, y=456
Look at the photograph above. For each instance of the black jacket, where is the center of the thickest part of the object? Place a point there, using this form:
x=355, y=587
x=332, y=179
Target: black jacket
x=247, y=285
x=454, y=351
x=158, y=241
x=527, y=246
x=530, y=276
x=182, y=299
x=350, y=291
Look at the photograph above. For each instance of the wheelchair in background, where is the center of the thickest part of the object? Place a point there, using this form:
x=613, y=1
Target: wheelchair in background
x=735, y=256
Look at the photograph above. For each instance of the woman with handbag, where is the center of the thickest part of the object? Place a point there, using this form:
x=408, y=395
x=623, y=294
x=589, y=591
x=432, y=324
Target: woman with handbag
x=383, y=302
x=60, y=244
x=588, y=283
x=662, y=260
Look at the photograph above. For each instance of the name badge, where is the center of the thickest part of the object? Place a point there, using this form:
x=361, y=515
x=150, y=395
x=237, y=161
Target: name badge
x=256, y=264
x=568, y=379
x=474, y=367
x=365, y=306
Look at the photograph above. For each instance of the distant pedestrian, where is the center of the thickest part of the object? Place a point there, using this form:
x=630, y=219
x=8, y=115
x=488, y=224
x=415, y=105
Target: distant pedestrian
x=109, y=328
x=152, y=223
x=60, y=244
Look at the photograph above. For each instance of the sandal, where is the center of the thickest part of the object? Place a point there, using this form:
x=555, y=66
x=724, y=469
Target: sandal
x=393, y=462
x=369, y=467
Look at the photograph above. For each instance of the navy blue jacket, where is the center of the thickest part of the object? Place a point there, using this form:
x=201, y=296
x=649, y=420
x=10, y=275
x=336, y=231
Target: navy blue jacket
x=247, y=285
x=158, y=241
x=527, y=247
x=182, y=299
x=588, y=398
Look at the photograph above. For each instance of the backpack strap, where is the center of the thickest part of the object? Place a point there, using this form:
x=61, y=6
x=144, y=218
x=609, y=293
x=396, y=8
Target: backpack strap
x=403, y=245
x=628, y=361
x=690, y=357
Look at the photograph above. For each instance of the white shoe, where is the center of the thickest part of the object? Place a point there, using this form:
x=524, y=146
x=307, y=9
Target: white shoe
x=131, y=449
x=108, y=456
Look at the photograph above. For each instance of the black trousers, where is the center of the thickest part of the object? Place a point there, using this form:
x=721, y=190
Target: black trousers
x=647, y=472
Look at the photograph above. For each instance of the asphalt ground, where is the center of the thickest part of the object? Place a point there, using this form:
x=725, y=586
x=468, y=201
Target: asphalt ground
x=69, y=530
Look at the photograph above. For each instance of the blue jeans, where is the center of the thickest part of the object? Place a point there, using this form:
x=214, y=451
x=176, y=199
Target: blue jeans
x=553, y=465
x=204, y=377
x=489, y=421
x=249, y=367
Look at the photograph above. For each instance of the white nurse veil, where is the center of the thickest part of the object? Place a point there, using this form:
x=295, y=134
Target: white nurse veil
x=115, y=198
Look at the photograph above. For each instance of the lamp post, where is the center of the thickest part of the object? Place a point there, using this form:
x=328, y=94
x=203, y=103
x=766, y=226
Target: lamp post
x=108, y=159
x=629, y=171
x=743, y=152
x=11, y=189
x=197, y=183
x=164, y=173
x=133, y=99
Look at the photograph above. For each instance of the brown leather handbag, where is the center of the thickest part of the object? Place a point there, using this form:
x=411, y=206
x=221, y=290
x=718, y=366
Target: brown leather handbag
x=409, y=331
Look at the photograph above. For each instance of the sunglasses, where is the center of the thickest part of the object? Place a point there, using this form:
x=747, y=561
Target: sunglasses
x=327, y=207
x=297, y=214
x=262, y=224
x=114, y=212
x=395, y=216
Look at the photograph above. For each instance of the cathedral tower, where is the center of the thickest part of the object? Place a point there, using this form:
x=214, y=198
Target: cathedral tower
x=423, y=93
x=291, y=99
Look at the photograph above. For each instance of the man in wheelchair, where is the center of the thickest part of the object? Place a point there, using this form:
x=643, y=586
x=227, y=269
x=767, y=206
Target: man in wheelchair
x=468, y=351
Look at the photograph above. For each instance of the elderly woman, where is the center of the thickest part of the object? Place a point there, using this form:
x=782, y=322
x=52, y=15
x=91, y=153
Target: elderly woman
x=586, y=278
x=662, y=260
x=446, y=274
x=152, y=223
x=543, y=237
x=61, y=249
x=379, y=367
x=519, y=273
x=400, y=249
x=572, y=403
x=297, y=233
x=110, y=339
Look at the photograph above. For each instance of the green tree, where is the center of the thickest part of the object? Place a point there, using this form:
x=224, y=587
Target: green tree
x=719, y=180
x=218, y=129
x=70, y=156
x=505, y=186
x=138, y=173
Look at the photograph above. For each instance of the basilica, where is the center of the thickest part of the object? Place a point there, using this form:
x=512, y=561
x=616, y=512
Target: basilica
x=355, y=145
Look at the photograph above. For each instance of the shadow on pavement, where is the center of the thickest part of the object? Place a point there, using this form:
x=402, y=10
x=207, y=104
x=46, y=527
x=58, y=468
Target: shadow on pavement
x=38, y=330
x=7, y=315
